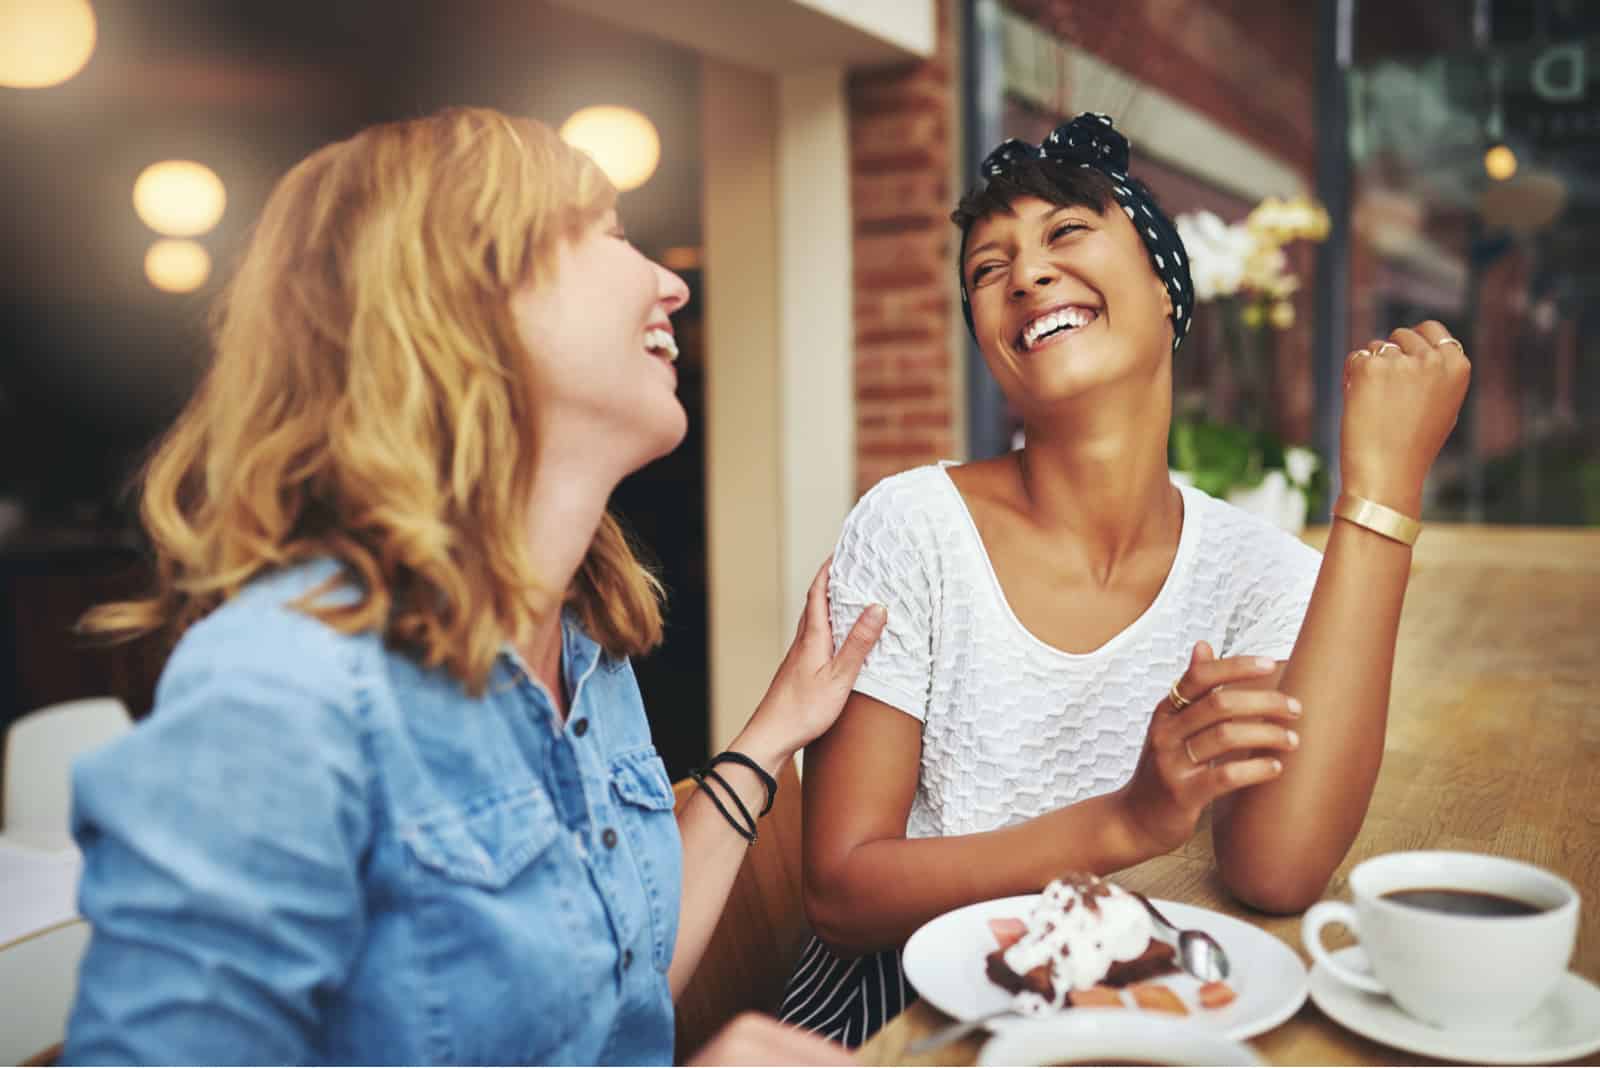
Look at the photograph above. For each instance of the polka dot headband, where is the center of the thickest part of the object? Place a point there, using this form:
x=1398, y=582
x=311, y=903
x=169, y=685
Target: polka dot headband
x=1090, y=141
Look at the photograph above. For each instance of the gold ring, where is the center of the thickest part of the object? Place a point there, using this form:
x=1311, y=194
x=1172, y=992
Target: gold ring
x=1179, y=702
x=1449, y=341
x=1192, y=758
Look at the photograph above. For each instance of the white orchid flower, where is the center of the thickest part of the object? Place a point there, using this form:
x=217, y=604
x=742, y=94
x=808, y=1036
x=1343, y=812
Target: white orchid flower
x=1217, y=253
x=1275, y=499
x=1301, y=463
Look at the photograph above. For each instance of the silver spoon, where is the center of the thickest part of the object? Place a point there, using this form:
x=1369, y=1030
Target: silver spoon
x=1198, y=953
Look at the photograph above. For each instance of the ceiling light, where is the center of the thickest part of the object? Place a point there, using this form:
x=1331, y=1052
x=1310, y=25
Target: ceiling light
x=620, y=140
x=177, y=266
x=1500, y=162
x=179, y=198
x=44, y=42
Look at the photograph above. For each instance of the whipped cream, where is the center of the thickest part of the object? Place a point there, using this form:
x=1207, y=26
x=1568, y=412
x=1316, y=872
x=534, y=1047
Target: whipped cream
x=1081, y=925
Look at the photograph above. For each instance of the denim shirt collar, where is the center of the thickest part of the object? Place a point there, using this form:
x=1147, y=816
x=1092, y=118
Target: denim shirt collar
x=579, y=652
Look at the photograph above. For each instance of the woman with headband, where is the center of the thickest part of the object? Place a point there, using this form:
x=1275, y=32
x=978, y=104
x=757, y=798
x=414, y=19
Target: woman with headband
x=397, y=801
x=1081, y=656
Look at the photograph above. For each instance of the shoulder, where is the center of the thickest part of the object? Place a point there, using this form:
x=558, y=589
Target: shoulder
x=259, y=703
x=893, y=541
x=904, y=519
x=909, y=492
x=914, y=509
x=1245, y=543
x=260, y=648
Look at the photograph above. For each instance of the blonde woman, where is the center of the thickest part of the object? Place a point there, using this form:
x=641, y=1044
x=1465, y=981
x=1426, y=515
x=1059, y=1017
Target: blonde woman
x=397, y=800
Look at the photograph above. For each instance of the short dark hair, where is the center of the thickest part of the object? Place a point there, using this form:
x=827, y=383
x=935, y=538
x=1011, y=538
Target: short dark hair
x=1063, y=184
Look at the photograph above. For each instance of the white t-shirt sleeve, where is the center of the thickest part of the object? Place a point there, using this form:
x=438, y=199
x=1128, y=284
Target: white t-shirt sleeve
x=880, y=558
x=1277, y=574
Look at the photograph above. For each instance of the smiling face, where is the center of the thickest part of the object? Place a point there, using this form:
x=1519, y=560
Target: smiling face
x=601, y=341
x=1064, y=300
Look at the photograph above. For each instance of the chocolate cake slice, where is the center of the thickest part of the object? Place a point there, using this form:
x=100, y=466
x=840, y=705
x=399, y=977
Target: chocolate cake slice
x=1036, y=980
x=1082, y=932
x=1157, y=959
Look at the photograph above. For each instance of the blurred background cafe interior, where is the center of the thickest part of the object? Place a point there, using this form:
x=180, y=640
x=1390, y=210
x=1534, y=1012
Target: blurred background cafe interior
x=1338, y=167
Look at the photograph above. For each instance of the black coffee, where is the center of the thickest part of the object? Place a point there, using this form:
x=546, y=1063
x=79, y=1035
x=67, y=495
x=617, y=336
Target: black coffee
x=1461, y=902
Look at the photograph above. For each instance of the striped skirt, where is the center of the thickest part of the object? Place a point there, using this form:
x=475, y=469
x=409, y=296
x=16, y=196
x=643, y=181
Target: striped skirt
x=845, y=1000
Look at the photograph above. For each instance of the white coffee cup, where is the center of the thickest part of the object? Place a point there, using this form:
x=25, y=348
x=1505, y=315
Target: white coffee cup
x=1463, y=972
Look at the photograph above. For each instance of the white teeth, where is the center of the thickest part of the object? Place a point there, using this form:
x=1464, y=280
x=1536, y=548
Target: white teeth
x=1071, y=318
x=662, y=342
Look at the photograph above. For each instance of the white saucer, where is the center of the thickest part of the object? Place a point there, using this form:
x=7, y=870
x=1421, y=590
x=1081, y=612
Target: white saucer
x=1565, y=1027
x=1091, y=1036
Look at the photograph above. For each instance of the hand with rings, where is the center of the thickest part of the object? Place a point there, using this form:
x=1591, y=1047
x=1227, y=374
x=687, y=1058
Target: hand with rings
x=1401, y=398
x=1206, y=740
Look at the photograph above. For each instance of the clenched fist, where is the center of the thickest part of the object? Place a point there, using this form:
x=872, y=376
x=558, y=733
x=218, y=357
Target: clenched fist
x=1401, y=399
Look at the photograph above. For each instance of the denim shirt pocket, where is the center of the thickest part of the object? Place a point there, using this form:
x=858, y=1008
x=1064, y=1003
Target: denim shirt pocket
x=479, y=870
x=488, y=843
x=639, y=780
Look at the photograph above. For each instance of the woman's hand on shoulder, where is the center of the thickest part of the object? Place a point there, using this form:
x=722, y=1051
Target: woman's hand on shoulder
x=1219, y=738
x=1401, y=398
x=811, y=685
x=755, y=1039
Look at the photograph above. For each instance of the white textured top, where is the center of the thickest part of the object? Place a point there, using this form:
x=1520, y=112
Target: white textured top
x=1014, y=727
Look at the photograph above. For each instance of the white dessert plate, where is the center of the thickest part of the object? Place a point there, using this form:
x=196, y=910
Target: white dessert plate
x=1565, y=1027
x=944, y=960
x=1111, y=1036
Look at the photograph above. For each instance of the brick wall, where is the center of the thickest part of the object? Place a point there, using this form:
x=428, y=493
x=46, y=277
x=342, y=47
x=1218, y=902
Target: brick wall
x=1245, y=64
x=901, y=144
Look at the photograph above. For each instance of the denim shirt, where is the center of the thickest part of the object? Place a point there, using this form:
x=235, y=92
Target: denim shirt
x=315, y=850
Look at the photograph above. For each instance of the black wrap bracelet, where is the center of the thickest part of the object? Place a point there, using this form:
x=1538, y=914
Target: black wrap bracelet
x=730, y=756
x=700, y=775
x=748, y=830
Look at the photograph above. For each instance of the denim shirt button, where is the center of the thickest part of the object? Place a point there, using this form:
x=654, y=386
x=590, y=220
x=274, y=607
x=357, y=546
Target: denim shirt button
x=580, y=728
x=609, y=837
x=627, y=959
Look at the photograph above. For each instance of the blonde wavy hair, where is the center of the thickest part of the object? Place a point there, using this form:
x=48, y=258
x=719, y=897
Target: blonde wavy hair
x=369, y=400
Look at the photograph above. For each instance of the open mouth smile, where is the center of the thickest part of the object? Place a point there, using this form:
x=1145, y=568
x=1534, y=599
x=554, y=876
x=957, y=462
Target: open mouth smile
x=659, y=342
x=1055, y=323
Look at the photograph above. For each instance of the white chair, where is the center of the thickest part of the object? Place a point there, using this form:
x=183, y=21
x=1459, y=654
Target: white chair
x=39, y=975
x=39, y=750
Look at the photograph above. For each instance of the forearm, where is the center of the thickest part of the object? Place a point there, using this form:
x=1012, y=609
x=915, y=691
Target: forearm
x=713, y=852
x=1278, y=843
x=883, y=890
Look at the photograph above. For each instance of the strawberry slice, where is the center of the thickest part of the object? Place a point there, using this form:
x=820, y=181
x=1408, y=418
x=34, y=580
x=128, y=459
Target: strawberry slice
x=1007, y=930
x=1217, y=994
x=1153, y=997
x=1100, y=997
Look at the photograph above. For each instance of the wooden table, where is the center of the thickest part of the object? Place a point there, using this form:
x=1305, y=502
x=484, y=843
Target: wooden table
x=1493, y=746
